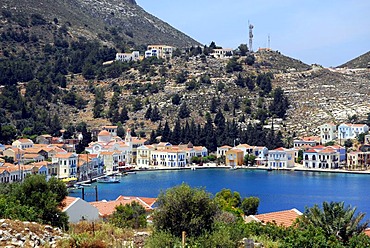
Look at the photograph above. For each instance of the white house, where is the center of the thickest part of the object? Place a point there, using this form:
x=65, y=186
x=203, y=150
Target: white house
x=281, y=158
x=221, y=53
x=143, y=155
x=169, y=157
x=22, y=143
x=328, y=132
x=127, y=57
x=65, y=164
x=159, y=51
x=351, y=131
x=78, y=210
x=326, y=158
x=221, y=151
x=304, y=141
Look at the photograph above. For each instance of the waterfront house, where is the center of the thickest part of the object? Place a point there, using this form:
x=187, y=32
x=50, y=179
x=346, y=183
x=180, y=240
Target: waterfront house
x=284, y=218
x=351, y=131
x=281, y=158
x=143, y=155
x=326, y=158
x=328, y=132
x=221, y=151
x=358, y=160
x=168, y=157
x=64, y=165
x=79, y=210
x=234, y=157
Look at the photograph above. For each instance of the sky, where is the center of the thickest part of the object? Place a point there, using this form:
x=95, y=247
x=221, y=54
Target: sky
x=326, y=32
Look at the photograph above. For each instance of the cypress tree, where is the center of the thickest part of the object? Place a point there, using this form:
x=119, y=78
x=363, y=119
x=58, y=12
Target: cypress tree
x=166, y=134
x=148, y=113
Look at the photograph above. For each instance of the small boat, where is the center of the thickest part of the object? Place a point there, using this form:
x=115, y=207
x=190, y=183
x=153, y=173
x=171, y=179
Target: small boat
x=131, y=172
x=193, y=168
x=108, y=180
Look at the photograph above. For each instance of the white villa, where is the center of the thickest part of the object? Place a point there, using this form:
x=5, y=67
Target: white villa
x=159, y=51
x=127, y=57
x=322, y=158
x=221, y=53
x=351, y=131
x=328, y=132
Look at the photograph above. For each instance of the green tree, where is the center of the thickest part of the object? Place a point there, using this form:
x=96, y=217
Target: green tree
x=184, y=111
x=40, y=198
x=155, y=115
x=123, y=116
x=228, y=200
x=183, y=208
x=175, y=99
x=129, y=215
x=148, y=112
x=250, y=205
x=280, y=104
x=243, y=48
x=335, y=219
x=137, y=105
x=250, y=59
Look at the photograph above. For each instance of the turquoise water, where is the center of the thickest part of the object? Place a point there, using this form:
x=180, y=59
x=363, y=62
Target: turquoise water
x=277, y=190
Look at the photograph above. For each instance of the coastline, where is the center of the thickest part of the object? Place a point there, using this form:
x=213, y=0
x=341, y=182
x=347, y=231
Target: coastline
x=214, y=166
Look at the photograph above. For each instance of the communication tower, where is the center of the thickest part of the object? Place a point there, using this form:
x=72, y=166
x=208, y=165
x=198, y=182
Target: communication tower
x=250, y=36
x=268, y=42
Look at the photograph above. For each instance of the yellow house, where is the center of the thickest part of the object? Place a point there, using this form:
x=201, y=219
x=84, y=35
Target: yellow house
x=234, y=157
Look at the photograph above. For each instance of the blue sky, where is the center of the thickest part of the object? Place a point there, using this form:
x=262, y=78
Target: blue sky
x=326, y=32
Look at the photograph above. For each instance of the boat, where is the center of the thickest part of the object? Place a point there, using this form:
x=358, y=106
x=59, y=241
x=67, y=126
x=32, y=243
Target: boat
x=193, y=168
x=108, y=180
x=131, y=172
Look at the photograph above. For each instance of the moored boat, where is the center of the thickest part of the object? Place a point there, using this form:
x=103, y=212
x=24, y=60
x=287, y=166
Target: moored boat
x=108, y=180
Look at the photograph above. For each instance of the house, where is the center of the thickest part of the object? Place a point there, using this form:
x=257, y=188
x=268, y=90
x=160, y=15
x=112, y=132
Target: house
x=326, y=158
x=234, y=157
x=351, y=131
x=221, y=151
x=159, y=51
x=127, y=57
x=327, y=132
x=221, y=53
x=169, y=157
x=4, y=175
x=358, y=160
x=64, y=165
x=284, y=218
x=106, y=208
x=22, y=143
x=261, y=153
x=15, y=153
x=32, y=157
x=311, y=141
x=143, y=155
x=281, y=158
x=44, y=139
x=78, y=210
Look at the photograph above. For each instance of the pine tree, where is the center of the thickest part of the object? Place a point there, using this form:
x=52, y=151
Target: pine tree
x=148, y=112
x=153, y=136
x=213, y=106
x=166, y=134
x=155, y=116
x=123, y=117
x=184, y=112
x=176, y=133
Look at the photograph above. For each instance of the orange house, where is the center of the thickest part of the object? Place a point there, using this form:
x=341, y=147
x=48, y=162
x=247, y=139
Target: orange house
x=234, y=157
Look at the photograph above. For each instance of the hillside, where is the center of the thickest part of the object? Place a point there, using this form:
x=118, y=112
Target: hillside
x=93, y=18
x=362, y=61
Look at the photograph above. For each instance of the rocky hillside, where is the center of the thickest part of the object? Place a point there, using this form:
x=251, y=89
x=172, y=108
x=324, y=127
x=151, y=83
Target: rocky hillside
x=362, y=61
x=102, y=19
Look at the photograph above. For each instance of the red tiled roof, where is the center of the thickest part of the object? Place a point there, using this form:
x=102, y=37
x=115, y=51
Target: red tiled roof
x=318, y=147
x=367, y=232
x=68, y=202
x=225, y=146
x=104, y=133
x=311, y=151
x=107, y=208
x=280, y=218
